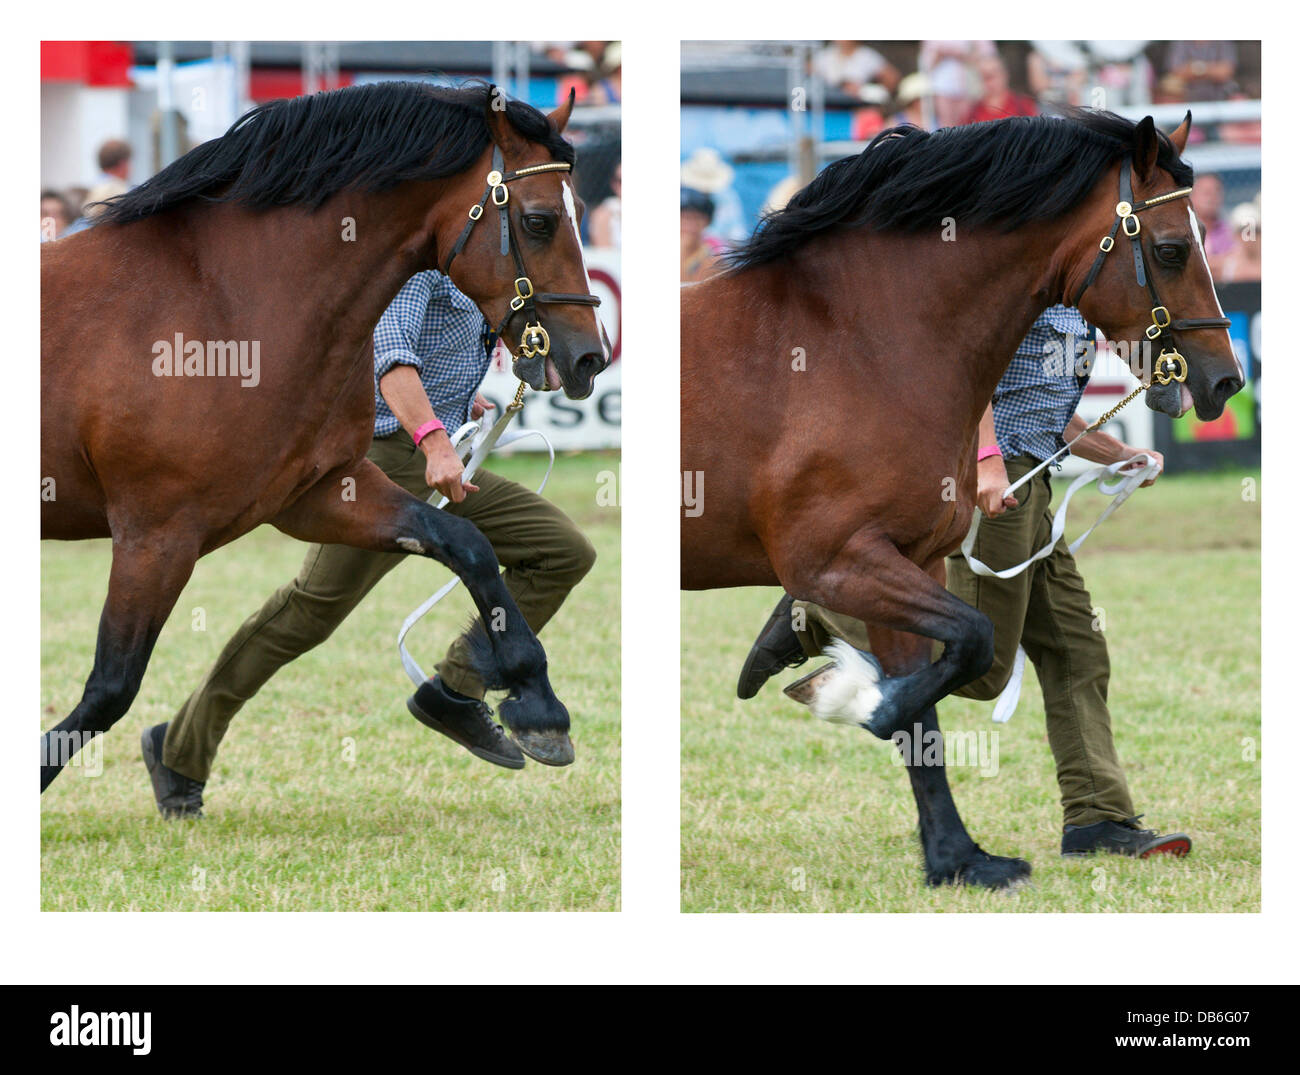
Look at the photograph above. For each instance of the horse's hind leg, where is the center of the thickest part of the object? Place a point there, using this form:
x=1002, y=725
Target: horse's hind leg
x=378, y=514
x=951, y=856
x=872, y=581
x=147, y=577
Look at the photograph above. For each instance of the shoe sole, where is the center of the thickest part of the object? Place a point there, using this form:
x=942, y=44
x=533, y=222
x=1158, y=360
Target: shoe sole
x=479, y=752
x=151, y=763
x=751, y=680
x=1178, y=846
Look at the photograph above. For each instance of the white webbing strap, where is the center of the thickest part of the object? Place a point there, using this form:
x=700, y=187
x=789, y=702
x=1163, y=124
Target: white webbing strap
x=1117, y=481
x=471, y=441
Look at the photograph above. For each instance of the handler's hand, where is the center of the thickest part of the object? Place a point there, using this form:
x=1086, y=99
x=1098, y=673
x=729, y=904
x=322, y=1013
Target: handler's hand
x=443, y=467
x=1130, y=452
x=992, y=480
x=481, y=406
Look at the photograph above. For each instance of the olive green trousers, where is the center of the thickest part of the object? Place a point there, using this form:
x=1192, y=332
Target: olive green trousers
x=544, y=555
x=1046, y=609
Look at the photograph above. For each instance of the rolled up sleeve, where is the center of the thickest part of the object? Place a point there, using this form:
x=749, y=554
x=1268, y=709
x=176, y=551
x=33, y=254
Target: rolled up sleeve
x=400, y=325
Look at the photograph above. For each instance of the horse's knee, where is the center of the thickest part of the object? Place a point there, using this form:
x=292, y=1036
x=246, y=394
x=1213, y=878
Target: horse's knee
x=108, y=695
x=976, y=651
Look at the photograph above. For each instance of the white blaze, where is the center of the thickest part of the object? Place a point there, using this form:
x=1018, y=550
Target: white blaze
x=571, y=209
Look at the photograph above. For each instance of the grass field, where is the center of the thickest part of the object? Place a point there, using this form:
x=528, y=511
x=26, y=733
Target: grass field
x=327, y=795
x=781, y=812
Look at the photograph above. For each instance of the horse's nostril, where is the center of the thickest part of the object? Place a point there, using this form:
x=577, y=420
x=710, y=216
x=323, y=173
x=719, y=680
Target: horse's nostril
x=1227, y=387
x=590, y=364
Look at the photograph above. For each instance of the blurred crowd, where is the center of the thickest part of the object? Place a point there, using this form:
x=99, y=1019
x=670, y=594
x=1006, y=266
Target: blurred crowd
x=64, y=212
x=954, y=82
x=949, y=83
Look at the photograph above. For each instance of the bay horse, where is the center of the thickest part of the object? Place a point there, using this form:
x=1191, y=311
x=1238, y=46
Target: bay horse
x=285, y=239
x=856, y=340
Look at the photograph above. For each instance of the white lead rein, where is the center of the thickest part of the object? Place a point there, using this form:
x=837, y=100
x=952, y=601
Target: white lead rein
x=474, y=442
x=1115, y=480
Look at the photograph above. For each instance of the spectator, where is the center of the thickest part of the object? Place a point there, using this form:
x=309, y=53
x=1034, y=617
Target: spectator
x=948, y=66
x=1207, y=203
x=1058, y=72
x=56, y=215
x=915, y=102
x=996, y=99
x=607, y=82
x=76, y=199
x=1200, y=70
x=1243, y=261
x=853, y=68
x=707, y=172
x=114, y=168
x=699, y=258
x=606, y=226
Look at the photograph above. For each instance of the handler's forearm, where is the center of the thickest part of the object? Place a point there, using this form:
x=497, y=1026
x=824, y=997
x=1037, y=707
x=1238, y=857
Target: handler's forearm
x=406, y=398
x=1096, y=447
x=988, y=433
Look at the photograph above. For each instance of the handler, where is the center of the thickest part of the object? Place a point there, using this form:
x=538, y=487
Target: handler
x=1045, y=608
x=432, y=351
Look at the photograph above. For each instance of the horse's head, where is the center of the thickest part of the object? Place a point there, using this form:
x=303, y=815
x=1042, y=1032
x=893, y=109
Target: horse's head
x=1149, y=284
x=519, y=257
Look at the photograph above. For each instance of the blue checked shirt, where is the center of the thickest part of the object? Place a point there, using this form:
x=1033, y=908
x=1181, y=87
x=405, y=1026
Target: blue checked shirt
x=1040, y=390
x=433, y=327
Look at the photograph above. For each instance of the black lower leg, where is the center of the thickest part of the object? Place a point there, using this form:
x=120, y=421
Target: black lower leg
x=951, y=856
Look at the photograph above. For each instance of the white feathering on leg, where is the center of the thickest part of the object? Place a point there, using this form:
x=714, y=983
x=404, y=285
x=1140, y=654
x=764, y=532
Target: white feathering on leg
x=851, y=693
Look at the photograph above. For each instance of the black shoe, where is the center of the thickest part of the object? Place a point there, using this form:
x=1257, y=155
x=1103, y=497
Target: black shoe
x=177, y=795
x=776, y=649
x=466, y=721
x=1123, y=838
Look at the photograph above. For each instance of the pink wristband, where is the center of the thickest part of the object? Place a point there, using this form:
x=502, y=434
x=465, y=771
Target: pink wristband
x=988, y=451
x=431, y=426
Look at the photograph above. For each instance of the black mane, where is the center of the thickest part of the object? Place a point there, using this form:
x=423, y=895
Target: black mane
x=303, y=150
x=1002, y=173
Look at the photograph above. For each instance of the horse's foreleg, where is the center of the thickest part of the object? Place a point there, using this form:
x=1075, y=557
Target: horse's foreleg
x=362, y=507
x=871, y=580
x=147, y=577
x=951, y=856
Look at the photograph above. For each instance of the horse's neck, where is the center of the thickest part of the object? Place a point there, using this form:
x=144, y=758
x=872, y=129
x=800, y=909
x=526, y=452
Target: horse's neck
x=958, y=308
x=331, y=273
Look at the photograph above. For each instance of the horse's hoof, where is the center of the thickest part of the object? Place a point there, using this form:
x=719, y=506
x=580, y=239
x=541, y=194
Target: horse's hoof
x=547, y=747
x=985, y=870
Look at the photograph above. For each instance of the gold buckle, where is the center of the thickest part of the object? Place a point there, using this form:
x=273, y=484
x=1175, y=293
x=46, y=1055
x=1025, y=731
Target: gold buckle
x=504, y=192
x=521, y=296
x=1137, y=226
x=535, y=341
x=1173, y=358
x=1107, y=244
x=475, y=211
x=1155, y=316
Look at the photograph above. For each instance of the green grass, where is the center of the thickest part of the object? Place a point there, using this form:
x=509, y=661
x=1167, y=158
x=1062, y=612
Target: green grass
x=781, y=812
x=412, y=823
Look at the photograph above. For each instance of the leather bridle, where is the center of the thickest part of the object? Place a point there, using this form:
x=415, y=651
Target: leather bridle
x=1170, y=365
x=534, y=341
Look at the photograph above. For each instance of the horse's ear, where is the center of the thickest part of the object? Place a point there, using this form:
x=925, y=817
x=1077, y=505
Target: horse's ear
x=1146, y=147
x=1179, y=136
x=500, y=129
x=560, y=117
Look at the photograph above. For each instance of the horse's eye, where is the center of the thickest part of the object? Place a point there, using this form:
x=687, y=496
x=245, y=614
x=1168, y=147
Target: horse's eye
x=540, y=224
x=1171, y=253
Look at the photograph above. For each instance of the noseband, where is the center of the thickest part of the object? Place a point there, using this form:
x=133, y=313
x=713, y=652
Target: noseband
x=1170, y=366
x=534, y=341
